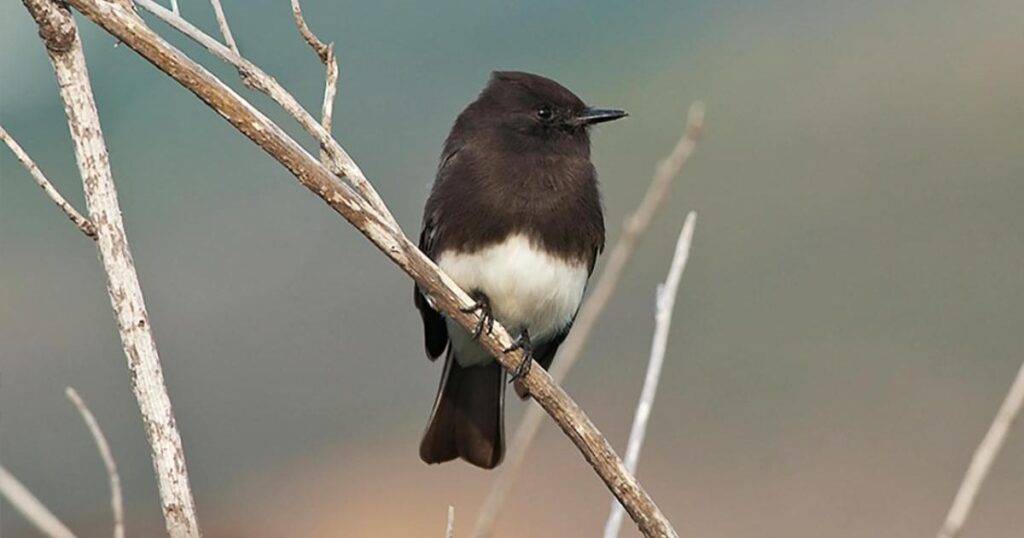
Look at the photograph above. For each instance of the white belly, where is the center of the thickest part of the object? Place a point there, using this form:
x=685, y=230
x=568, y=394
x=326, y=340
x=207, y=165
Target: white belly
x=528, y=289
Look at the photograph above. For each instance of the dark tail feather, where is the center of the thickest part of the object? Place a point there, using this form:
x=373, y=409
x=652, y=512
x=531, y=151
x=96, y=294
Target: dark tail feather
x=467, y=421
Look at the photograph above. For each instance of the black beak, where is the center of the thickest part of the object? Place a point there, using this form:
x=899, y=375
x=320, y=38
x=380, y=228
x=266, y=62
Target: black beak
x=598, y=115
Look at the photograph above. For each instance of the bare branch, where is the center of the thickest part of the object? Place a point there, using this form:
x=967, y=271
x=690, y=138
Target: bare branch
x=222, y=23
x=326, y=54
x=174, y=7
x=666, y=300
x=984, y=457
x=450, y=528
x=318, y=46
x=77, y=218
x=116, y=502
x=446, y=296
x=34, y=511
x=60, y=35
x=340, y=162
x=330, y=94
x=635, y=227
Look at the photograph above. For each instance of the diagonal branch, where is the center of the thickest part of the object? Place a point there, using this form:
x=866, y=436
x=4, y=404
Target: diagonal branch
x=634, y=228
x=326, y=54
x=77, y=218
x=984, y=457
x=116, y=500
x=666, y=301
x=60, y=35
x=130, y=29
x=340, y=162
x=34, y=511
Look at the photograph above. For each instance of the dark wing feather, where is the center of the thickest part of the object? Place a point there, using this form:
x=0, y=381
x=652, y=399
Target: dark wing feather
x=435, y=332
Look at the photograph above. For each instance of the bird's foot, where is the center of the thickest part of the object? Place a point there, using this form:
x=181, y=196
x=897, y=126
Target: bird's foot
x=483, y=306
x=523, y=343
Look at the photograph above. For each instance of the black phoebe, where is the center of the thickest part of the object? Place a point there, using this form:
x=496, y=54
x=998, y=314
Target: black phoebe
x=515, y=219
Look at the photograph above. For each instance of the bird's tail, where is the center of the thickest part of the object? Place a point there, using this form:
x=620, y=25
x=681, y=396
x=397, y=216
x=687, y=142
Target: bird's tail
x=467, y=421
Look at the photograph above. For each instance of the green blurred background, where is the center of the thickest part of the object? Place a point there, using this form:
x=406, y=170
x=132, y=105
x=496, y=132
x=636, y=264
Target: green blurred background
x=849, y=323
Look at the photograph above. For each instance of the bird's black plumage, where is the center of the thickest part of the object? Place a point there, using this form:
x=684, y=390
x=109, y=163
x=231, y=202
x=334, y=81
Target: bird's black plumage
x=515, y=165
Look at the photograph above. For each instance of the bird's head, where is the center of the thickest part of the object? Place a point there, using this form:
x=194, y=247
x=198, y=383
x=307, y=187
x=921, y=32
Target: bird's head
x=532, y=107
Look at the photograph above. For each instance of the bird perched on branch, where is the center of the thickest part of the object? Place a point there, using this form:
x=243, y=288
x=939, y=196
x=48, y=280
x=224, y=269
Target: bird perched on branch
x=514, y=217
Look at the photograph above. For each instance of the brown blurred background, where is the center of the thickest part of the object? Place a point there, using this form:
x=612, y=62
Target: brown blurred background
x=850, y=319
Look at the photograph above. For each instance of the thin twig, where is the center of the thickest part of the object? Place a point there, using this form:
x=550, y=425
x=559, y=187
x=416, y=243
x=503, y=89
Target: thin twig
x=634, y=228
x=222, y=23
x=450, y=528
x=445, y=295
x=326, y=54
x=318, y=46
x=29, y=506
x=666, y=300
x=984, y=457
x=116, y=502
x=330, y=94
x=77, y=218
x=60, y=34
x=340, y=162
x=174, y=7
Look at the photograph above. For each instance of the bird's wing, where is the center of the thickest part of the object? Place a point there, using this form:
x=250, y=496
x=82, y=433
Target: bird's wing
x=435, y=332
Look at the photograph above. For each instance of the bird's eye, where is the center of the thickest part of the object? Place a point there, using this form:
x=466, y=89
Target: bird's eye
x=545, y=113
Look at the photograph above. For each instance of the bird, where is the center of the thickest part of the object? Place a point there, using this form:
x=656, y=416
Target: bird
x=515, y=218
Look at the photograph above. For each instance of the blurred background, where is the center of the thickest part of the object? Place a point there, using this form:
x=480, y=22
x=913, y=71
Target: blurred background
x=849, y=322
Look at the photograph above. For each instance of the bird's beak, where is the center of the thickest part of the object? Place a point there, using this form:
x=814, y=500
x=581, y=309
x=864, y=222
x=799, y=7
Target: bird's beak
x=598, y=115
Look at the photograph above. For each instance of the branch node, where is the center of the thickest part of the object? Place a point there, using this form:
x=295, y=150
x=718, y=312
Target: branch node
x=84, y=224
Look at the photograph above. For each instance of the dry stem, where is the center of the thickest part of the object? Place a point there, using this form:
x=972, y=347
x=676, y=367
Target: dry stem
x=29, y=506
x=125, y=25
x=60, y=35
x=77, y=218
x=340, y=162
x=222, y=23
x=326, y=54
x=116, y=502
x=984, y=457
x=666, y=300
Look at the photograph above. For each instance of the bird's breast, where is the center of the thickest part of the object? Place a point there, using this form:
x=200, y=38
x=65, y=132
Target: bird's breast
x=528, y=288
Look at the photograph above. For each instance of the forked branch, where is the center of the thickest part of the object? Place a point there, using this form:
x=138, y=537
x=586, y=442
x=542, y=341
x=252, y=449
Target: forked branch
x=131, y=30
x=326, y=54
x=64, y=48
x=340, y=162
x=222, y=23
x=77, y=218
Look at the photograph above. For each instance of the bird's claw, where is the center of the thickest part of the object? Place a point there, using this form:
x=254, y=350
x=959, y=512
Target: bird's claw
x=483, y=306
x=523, y=343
